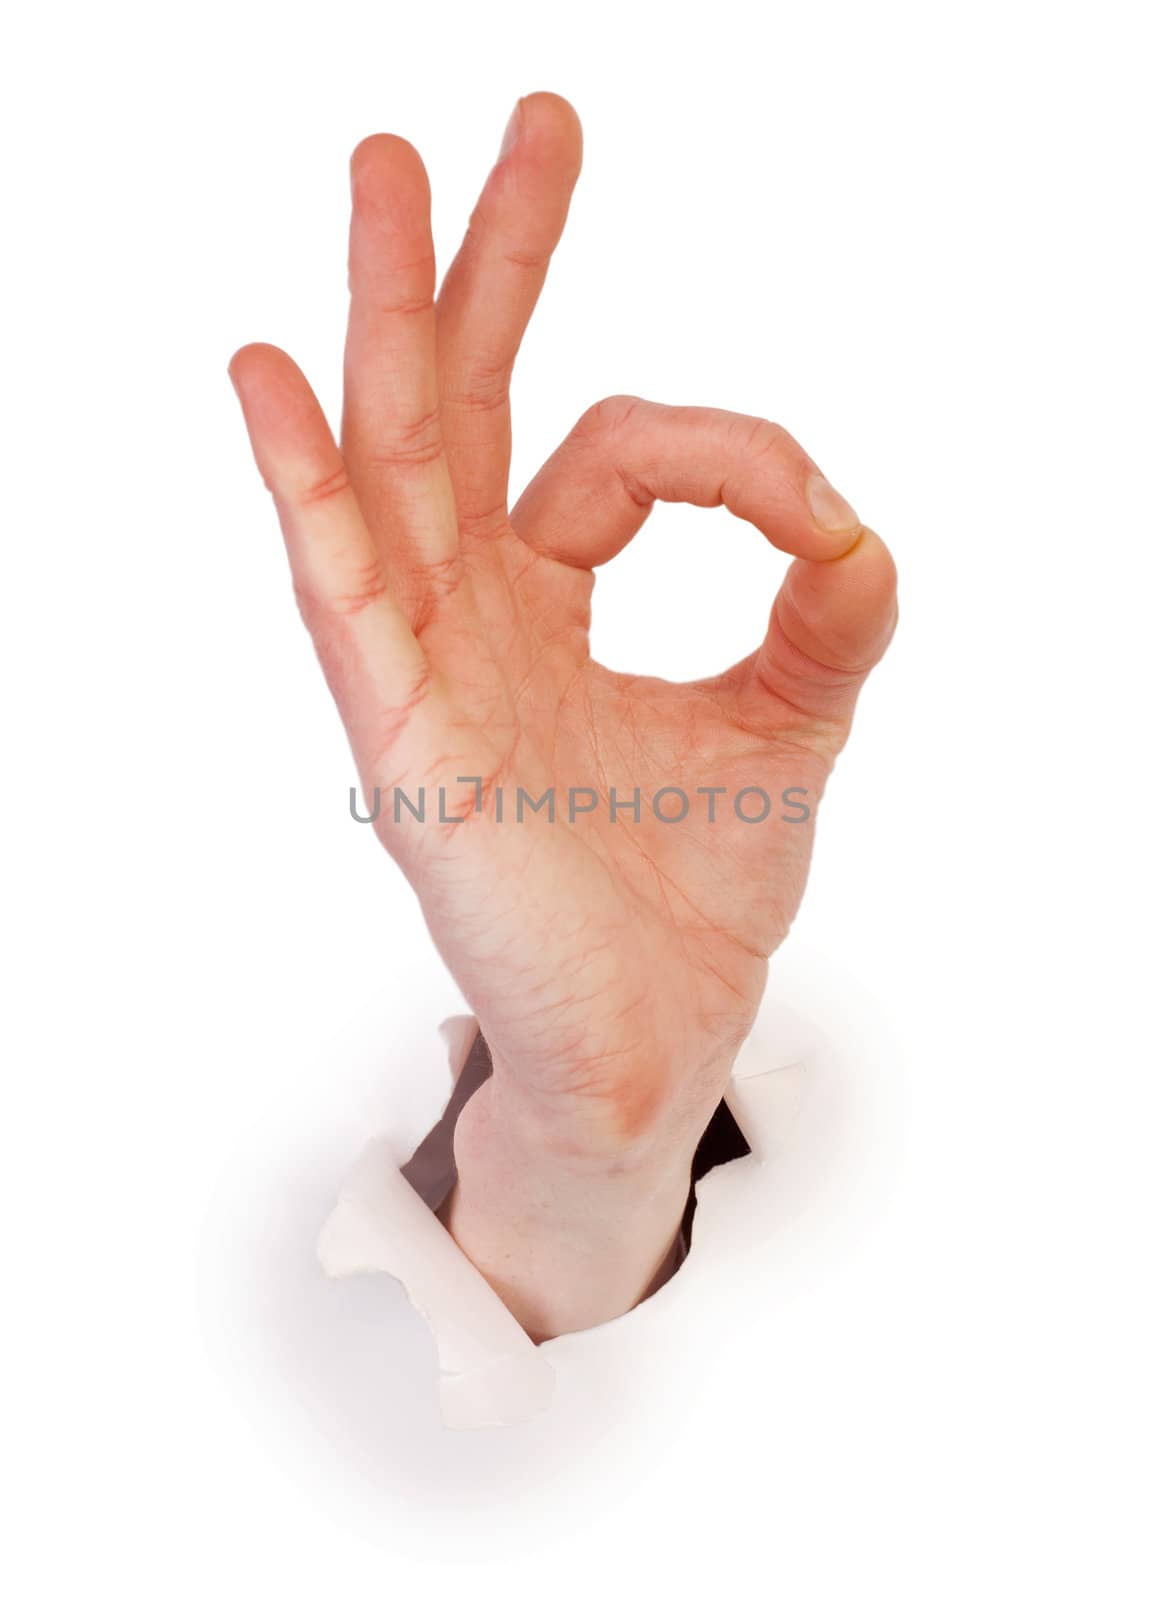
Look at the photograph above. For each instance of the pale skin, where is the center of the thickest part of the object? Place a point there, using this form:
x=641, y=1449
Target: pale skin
x=615, y=967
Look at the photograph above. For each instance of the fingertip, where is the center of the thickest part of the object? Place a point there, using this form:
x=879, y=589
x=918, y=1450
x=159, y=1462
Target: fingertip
x=842, y=613
x=556, y=102
x=871, y=563
x=251, y=357
x=551, y=112
x=376, y=147
x=386, y=162
x=835, y=518
x=262, y=374
x=545, y=125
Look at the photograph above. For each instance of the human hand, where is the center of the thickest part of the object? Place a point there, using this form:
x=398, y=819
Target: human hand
x=615, y=966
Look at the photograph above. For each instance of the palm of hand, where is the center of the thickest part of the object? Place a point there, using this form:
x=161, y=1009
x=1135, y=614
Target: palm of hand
x=615, y=957
x=615, y=961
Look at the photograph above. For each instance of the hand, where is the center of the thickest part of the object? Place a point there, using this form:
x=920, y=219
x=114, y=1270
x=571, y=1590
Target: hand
x=615, y=966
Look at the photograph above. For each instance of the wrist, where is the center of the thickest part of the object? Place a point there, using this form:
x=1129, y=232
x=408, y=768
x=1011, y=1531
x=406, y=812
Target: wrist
x=568, y=1232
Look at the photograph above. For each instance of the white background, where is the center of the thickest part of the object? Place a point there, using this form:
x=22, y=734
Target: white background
x=915, y=235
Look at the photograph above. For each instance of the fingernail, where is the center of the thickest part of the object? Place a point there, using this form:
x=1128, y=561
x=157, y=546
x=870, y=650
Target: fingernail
x=829, y=509
x=512, y=131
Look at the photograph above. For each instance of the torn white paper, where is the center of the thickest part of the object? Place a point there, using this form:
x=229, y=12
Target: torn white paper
x=491, y=1373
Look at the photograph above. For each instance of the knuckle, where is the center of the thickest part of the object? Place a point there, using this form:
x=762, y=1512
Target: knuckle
x=391, y=724
x=484, y=386
x=527, y=260
x=409, y=305
x=605, y=417
x=758, y=436
x=489, y=522
x=365, y=588
x=416, y=443
x=441, y=579
x=327, y=488
x=439, y=582
x=355, y=592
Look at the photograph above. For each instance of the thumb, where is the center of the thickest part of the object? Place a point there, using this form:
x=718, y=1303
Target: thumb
x=830, y=624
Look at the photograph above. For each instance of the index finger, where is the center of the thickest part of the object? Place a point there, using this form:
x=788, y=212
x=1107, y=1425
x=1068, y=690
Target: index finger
x=595, y=492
